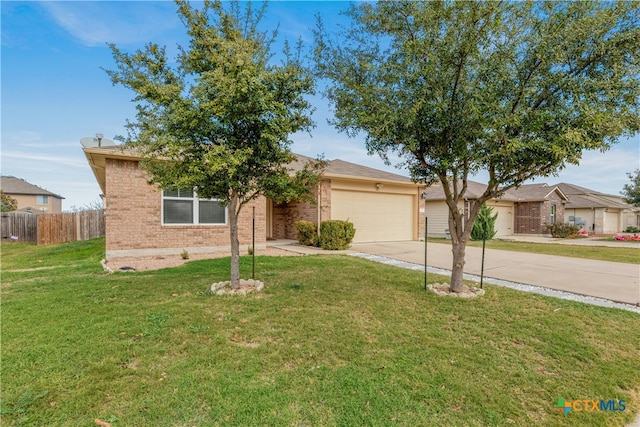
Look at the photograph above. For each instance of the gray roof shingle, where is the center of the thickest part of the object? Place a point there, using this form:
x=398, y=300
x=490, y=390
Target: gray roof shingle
x=525, y=193
x=342, y=168
x=13, y=185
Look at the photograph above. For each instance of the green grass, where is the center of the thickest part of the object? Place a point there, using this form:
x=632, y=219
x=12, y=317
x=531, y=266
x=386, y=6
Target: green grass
x=602, y=253
x=331, y=341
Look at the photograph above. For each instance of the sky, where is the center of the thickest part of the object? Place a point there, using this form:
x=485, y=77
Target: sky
x=55, y=92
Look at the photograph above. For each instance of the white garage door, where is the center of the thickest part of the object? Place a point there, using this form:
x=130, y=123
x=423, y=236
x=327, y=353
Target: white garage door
x=611, y=221
x=504, y=221
x=377, y=217
x=437, y=218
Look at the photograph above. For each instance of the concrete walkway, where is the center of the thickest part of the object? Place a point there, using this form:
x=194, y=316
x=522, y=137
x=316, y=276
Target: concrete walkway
x=612, y=281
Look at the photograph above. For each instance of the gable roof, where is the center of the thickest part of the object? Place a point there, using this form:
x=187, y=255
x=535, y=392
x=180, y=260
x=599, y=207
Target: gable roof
x=581, y=197
x=524, y=193
x=12, y=185
x=532, y=193
x=570, y=189
x=96, y=156
x=435, y=191
x=342, y=169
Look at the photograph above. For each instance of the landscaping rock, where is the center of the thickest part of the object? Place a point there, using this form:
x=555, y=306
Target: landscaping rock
x=246, y=286
x=444, y=289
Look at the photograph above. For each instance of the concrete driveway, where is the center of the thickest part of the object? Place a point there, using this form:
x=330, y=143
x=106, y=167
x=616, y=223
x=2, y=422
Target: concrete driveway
x=609, y=280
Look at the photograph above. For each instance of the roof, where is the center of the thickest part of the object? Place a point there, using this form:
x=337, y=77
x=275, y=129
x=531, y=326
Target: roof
x=12, y=185
x=341, y=169
x=524, y=193
x=570, y=189
x=97, y=156
x=532, y=193
x=435, y=192
x=581, y=197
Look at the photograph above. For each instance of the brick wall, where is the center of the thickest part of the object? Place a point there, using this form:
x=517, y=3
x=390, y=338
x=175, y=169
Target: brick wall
x=134, y=219
x=286, y=214
x=527, y=218
x=531, y=217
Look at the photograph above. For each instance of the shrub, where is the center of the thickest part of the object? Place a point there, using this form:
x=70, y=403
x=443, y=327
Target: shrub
x=307, y=233
x=632, y=229
x=562, y=230
x=484, y=225
x=336, y=234
x=184, y=254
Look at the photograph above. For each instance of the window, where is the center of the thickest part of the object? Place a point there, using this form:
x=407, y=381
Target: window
x=42, y=200
x=184, y=207
x=552, y=217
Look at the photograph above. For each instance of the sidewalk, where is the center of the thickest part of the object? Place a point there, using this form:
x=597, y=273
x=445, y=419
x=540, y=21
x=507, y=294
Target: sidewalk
x=613, y=281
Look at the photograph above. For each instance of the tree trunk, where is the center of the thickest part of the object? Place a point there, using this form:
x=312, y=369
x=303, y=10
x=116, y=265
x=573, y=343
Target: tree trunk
x=457, y=269
x=460, y=230
x=235, y=242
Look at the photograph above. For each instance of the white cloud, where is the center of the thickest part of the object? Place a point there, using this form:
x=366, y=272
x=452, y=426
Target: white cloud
x=40, y=161
x=97, y=23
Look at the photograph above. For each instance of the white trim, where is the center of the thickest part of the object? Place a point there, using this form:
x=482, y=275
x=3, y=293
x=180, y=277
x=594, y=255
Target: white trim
x=196, y=211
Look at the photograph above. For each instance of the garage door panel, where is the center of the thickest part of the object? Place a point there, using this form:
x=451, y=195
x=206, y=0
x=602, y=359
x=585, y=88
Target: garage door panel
x=376, y=217
x=437, y=218
x=504, y=221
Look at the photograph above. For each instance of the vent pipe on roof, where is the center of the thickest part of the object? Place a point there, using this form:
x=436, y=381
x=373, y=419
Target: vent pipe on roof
x=99, y=136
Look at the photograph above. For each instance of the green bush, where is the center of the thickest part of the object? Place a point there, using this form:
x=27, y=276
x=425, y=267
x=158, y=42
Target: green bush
x=336, y=234
x=484, y=226
x=562, y=230
x=632, y=229
x=307, y=233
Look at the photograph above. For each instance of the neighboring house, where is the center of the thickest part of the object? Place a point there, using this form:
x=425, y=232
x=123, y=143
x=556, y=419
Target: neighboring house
x=31, y=198
x=525, y=210
x=598, y=212
x=143, y=220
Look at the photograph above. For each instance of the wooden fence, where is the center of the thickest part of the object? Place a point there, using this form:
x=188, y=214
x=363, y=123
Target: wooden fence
x=49, y=229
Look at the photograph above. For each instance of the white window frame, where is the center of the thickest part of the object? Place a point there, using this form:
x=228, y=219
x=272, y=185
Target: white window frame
x=42, y=200
x=196, y=211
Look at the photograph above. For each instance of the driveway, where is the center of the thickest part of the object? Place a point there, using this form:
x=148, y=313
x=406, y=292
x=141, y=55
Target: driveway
x=603, y=279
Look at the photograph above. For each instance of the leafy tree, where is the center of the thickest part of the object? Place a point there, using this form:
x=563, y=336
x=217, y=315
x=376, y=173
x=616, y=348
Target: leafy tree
x=484, y=227
x=7, y=203
x=95, y=204
x=632, y=191
x=218, y=119
x=518, y=89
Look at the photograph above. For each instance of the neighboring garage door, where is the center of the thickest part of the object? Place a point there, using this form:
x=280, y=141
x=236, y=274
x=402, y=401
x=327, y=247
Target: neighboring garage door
x=437, y=218
x=377, y=217
x=611, y=223
x=504, y=221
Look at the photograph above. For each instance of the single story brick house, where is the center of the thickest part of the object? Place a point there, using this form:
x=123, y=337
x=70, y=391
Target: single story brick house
x=524, y=210
x=142, y=220
x=598, y=212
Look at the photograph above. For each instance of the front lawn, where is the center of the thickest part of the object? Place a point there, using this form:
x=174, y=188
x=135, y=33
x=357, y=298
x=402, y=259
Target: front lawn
x=333, y=340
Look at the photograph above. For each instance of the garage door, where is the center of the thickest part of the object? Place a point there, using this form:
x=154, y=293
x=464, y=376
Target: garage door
x=377, y=217
x=437, y=218
x=611, y=223
x=504, y=221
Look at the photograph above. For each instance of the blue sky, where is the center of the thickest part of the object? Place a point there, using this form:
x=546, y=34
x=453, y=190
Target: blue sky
x=55, y=92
